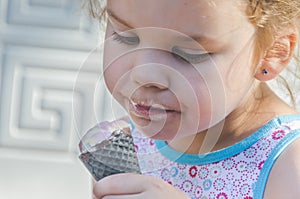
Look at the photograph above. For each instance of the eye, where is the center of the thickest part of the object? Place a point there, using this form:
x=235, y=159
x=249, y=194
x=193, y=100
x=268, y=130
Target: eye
x=193, y=58
x=134, y=40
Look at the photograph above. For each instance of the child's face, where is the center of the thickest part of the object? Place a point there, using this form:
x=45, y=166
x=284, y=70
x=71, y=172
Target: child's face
x=167, y=95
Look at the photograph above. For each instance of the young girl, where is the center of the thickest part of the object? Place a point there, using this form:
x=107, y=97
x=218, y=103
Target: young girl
x=191, y=75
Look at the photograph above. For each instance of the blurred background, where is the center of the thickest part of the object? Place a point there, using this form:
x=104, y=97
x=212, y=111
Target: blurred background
x=47, y=97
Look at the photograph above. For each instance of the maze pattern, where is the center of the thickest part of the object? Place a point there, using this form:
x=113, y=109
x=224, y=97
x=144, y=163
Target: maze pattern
x=47, y=91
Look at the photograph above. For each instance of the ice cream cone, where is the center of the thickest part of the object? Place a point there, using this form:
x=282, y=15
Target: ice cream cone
x=111, y=155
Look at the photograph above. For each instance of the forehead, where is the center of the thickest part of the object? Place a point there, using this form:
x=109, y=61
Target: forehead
x=205, y=17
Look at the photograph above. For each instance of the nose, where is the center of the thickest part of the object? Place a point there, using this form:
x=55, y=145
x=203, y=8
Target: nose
x=150, y=69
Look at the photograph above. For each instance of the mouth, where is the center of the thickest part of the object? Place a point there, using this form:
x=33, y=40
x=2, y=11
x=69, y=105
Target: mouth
x=150, y=111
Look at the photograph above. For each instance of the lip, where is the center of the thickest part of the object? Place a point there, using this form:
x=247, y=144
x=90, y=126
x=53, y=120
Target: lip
x=148, y=110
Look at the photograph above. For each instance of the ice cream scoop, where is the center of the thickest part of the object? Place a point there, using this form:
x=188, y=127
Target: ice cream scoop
x=108, y=149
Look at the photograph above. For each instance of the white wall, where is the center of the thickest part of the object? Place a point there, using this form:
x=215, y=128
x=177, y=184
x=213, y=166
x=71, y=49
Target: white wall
x=47, y=93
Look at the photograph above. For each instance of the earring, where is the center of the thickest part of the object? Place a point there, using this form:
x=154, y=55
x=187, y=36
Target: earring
x=265, y=71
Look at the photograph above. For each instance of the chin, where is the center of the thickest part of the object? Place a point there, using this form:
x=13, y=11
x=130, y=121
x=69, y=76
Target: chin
x=154, y=130
x=162, y=135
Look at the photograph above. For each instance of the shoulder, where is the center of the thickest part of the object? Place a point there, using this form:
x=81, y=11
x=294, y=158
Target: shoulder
x=284, y=178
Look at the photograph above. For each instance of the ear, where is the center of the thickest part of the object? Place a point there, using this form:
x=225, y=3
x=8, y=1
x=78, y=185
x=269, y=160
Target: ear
x=278, y=55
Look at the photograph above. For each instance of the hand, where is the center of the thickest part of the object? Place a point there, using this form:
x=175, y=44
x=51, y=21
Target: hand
x=135, y=186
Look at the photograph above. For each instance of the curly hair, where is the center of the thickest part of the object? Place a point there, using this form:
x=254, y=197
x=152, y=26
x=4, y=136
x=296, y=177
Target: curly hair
x=269, y=17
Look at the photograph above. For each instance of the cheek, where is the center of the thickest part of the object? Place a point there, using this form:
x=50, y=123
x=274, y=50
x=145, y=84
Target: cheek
x=205, y=105
x=195, y=99
x=116, y=64
x=115, y=74
x=209, y=105
x=110, y=79
x=238, y=80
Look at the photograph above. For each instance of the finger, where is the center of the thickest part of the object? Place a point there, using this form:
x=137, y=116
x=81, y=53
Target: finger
x=120, y=184
x=131, y=196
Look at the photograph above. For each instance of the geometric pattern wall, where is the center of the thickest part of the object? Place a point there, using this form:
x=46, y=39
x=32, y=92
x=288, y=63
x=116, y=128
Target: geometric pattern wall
x=46, y=96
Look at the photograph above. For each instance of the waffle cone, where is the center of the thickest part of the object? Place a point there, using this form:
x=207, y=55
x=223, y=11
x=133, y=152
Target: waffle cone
x=111, y=156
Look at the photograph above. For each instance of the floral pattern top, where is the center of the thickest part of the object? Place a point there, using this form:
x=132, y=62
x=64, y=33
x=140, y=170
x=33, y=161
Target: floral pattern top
x=236, y=172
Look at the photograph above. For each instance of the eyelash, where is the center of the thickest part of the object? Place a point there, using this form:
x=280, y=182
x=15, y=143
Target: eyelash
x=125, y=40
x=189, y=58
x=178, y=54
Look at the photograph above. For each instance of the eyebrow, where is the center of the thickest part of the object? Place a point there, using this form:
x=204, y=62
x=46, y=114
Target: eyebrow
x=118, y=19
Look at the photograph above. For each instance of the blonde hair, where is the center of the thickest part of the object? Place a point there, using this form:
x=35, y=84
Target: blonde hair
x=96, y=9
x=268, y=16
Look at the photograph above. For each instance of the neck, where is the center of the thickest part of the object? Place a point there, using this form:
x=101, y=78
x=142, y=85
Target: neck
x=251, y=115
